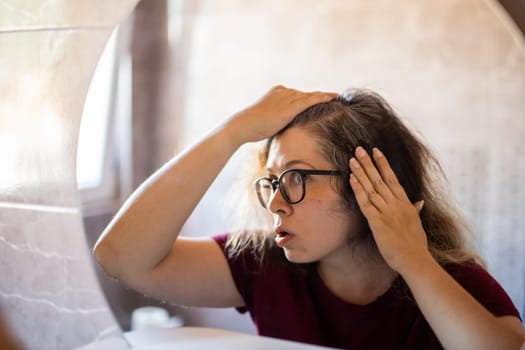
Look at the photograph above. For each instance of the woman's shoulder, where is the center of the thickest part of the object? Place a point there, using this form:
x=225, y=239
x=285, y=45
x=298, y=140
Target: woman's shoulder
x=482, y=286
x=467, y=269
x=248, y=249
x=221, y=238
x=470, y=274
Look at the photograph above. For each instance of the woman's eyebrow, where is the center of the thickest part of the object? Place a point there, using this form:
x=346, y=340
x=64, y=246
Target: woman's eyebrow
x=290, y=164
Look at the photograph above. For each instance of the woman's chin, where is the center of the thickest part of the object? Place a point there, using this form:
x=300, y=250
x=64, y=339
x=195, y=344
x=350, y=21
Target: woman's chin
x=298, y=258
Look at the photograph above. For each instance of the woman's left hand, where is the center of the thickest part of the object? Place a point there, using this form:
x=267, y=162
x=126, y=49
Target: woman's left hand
x=393, y=219
x=455, y=316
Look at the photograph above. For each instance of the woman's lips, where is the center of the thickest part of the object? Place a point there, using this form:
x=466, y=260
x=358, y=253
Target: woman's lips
x=282, y=238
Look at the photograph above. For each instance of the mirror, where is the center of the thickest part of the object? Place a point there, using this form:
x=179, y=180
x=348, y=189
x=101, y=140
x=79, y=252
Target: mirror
x=464, y=95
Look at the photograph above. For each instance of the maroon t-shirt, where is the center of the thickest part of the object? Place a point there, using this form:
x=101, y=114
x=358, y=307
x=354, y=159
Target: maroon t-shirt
x=295, y=304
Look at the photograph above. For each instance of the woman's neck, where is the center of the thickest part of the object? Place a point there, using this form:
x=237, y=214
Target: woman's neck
x=357, y=280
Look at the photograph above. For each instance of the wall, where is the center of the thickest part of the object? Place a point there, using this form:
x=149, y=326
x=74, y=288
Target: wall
x=49, y=295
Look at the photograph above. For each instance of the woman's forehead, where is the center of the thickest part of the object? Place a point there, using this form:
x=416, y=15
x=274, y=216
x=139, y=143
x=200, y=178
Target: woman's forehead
x=295, y=147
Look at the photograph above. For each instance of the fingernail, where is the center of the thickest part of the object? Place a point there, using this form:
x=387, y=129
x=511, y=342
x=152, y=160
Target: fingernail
x=354, y=163
x=377, y=152
x=360, y=151
x=352, y=178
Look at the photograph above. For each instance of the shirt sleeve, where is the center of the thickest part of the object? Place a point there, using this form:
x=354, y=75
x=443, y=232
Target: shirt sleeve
x=484, y=288
x=241, y=269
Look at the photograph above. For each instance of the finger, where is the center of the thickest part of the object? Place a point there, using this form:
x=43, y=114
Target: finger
x=374, y=178
x=360, y=175
x=329, y=96
x=388, y=174
x=279, y=89
x=363, y=201
x=312, y=98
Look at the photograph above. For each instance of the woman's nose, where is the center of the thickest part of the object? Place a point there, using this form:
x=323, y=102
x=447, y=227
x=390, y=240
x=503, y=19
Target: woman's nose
x=277, y=204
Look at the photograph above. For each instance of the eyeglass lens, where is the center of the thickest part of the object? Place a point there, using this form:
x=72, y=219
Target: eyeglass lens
x=290, y=184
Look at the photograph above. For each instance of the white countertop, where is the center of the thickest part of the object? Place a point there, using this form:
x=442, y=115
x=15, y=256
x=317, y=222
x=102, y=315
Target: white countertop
x=207, y=338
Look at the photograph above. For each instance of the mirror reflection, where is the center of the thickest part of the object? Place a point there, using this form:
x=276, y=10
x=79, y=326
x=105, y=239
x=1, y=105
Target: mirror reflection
x=179, y=69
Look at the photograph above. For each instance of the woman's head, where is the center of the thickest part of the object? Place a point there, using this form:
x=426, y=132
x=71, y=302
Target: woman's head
x=363, y=118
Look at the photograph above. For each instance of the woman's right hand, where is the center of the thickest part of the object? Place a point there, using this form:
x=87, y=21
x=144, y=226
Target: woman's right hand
x=273, y=112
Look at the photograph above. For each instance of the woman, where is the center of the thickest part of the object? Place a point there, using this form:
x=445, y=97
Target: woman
x=364, y=251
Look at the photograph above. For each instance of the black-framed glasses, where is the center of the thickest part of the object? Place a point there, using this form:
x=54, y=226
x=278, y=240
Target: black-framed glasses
x=291, y=184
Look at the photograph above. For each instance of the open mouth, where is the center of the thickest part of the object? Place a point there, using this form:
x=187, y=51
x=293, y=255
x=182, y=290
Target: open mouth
x=282, y=238
x=282, y=234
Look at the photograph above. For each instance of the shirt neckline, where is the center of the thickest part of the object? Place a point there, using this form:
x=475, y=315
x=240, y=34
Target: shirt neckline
x=326, y=293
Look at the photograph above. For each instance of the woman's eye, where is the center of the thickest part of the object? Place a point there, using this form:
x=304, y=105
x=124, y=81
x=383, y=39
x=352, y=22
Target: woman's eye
x=298, y=178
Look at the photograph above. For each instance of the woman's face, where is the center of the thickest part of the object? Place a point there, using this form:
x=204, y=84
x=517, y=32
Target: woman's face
x=317, y=228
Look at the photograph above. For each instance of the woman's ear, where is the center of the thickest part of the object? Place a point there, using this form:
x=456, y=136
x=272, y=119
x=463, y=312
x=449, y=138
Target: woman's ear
x=419, y=205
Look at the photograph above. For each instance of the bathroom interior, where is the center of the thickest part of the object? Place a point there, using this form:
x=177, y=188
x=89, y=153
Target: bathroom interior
x=96, y=95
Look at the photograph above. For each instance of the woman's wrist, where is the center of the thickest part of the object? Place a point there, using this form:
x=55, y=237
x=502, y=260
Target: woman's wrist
x=415, y=264
x=234, y=133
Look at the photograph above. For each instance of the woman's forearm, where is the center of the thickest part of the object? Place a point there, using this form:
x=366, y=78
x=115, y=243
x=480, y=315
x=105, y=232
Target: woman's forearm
x=145, y=228
x=457, y=319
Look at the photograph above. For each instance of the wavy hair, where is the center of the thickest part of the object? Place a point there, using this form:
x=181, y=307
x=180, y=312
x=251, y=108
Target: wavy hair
x=363, y=118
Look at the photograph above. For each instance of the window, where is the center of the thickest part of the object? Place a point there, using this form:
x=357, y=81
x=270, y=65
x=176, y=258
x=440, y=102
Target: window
x=102, y=149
